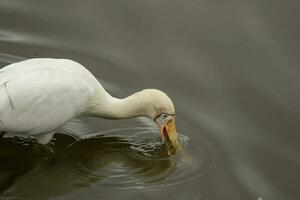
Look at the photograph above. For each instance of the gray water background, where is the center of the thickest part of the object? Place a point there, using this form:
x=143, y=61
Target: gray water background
x=230, y=67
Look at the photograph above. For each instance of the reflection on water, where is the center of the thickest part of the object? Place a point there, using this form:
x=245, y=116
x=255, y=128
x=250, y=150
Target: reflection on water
x=136, y=162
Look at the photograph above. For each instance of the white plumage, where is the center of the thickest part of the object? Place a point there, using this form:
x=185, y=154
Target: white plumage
x=40, y=95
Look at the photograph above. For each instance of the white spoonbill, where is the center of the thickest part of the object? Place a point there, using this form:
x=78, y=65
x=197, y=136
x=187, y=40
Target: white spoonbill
x=39, y=95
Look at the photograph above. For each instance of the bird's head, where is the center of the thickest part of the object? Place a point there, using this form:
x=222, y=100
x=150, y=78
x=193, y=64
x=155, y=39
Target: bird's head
x=161, y=109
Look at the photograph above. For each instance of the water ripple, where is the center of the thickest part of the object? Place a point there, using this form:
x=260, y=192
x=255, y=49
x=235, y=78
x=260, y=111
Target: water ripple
x=130, y=161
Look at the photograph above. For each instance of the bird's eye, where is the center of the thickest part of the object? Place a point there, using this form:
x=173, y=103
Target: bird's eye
x=164, y=115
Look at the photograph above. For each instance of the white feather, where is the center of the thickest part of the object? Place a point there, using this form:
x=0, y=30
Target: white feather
x=40, y=95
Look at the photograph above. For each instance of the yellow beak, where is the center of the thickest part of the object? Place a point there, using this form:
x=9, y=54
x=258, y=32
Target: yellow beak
x=169, y=136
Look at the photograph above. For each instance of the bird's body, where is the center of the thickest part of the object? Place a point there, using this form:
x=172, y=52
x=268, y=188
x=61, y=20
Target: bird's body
x=40, y=95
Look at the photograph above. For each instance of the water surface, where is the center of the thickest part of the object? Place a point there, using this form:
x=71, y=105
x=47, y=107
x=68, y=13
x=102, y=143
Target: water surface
x=231, y=68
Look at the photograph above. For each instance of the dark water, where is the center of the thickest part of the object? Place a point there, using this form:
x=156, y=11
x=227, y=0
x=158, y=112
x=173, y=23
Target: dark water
x=231, y=68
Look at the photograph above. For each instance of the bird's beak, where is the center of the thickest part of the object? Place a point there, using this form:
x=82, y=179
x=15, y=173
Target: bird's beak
x=169, y=136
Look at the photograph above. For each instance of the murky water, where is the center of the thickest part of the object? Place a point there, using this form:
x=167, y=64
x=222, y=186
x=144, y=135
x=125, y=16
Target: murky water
x=231, y=68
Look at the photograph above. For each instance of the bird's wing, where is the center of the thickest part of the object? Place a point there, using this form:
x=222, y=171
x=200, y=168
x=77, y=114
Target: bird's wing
x=3, y=77
x=37, y=100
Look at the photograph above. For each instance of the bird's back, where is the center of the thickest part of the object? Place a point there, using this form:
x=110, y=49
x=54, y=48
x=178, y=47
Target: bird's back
x=40, y=95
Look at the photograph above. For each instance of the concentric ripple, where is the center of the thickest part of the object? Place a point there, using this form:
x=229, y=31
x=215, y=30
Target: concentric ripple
x=129, y=158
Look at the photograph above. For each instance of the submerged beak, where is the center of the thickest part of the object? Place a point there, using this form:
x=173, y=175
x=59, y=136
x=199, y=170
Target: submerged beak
x=169, y=136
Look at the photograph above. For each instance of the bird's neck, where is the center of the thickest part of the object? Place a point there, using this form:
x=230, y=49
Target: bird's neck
x=106, y=106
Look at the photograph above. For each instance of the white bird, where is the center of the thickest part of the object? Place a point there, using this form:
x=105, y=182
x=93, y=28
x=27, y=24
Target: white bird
x=39, y=95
